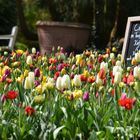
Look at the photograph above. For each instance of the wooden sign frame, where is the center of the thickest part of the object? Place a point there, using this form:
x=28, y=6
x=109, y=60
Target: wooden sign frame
x=127, y=34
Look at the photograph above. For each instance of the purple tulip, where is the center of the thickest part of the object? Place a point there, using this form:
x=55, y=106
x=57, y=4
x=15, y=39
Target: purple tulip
x=3, y=78
x=60, y=67
x=86, y=96
x=37, y=72
x=36, y=83
x=7, y=72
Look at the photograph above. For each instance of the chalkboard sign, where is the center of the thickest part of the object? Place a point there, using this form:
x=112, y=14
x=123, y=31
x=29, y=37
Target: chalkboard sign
x=132, y=39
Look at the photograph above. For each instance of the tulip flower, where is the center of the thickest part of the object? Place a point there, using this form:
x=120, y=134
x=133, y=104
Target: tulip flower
x=98, y=80
x=112, y=56
x=65, y=83
x=77, y=94
x=117, y=69
x=137, y=72
x=7, y=72
x=34, y=50
x=117, y=78
x=77, y=80
x=60, y=67
x=37, y=72
x=29, y=60
x=137, y=57
x=27, y=83
x=86, y=96
x=104, y=66
x=118, y=63
x=31, y=75
x=29, y=110
x=58, y=83
x=39, y=99
x=11, y=95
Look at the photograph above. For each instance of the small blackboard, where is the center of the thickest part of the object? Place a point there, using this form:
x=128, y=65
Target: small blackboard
x=131, y=43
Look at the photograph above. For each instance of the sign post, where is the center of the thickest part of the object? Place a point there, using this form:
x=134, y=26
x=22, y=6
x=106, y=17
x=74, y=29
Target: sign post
x=131, y=43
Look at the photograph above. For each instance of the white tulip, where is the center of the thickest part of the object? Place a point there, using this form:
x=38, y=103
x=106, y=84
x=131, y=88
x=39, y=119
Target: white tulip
x=117, y=69
x=58, y=83
x=112, y=55
x=98, y=80
x=104, y=66
x=117, y=78
x=137, y=72
x=118, y=63
x=29, y=60
x=34, y=50
x=137, y=56
x=31, y=75
x=65, y=83
x=77, y=81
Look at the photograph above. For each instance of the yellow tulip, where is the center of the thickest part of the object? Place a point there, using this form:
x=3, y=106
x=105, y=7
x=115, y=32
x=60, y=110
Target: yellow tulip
x=39, y=99
x=27, y=84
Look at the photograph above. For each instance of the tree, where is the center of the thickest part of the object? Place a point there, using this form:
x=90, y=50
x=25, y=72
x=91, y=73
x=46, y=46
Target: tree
x=22, y=22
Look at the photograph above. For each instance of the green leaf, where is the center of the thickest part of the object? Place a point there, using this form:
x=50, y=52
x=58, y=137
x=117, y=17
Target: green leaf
x=93, y=136
x=64, y=111
x=100, y=134
x=56, y=131
x=110, y=128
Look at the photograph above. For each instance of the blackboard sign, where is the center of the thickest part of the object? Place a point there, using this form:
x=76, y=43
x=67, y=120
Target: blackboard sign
x=132, y=39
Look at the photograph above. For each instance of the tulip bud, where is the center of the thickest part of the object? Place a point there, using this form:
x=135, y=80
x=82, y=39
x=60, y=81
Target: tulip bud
x=31, y=75
x=104, y=66
x=7, y=72
x=123, y=96
x=112, y=56
x=37, y=72
x=29, y=60
x=137, y=57
x=117, y=69
x=58, y=83
x=137, y=72
x=134, y=100
x=98, y=80
x=65, y=83
x=34, y=50
x=63, y=71
x=86, y=96
x=39, y=99
x=117, y=78
x=118, y=63
x=36, y=83
x=133, y=61
x=77, y=80
x=27, y=84
x=60, y=67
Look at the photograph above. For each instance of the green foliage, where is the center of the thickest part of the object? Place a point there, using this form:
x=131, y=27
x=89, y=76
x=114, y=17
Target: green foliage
x=21, y=46
x=33, y=13
x=71, y=10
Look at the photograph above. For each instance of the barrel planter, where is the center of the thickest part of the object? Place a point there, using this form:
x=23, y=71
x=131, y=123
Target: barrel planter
x=70, y=36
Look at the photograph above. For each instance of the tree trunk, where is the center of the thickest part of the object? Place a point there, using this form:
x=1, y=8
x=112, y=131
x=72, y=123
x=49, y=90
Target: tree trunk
x=22, y=22
x=114, y=29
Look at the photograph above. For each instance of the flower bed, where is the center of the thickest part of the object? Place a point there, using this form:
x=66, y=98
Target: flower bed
x=87, y=96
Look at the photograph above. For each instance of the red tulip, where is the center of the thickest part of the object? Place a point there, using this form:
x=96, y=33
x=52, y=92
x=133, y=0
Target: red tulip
x=11, y=95
x=29, y=110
